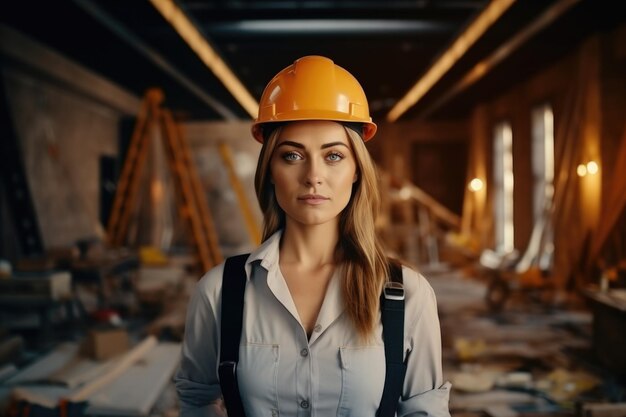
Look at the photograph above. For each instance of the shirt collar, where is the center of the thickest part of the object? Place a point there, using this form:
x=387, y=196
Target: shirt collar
x=267, y=253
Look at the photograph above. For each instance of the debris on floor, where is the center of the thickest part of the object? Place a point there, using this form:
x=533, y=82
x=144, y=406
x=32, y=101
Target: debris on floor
x=525, y=360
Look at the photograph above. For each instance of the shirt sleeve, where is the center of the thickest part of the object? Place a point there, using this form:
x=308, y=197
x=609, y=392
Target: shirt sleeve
x=196, y=380
x=424, y=392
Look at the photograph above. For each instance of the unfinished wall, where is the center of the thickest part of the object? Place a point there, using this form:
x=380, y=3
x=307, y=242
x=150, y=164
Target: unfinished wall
x=586, y=91
x=65, y=118
x=431, y=155
x=227, y=208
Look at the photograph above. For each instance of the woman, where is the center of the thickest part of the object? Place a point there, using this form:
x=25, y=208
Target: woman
x=311, y=342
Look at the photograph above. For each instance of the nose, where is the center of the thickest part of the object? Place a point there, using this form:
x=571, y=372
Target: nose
x=313, y=174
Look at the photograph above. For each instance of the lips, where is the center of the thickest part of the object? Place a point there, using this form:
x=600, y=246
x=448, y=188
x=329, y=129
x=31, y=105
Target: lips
x=313, y=199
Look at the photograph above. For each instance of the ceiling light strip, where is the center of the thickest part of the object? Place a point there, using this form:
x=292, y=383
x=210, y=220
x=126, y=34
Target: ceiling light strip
x=460, y=46
x=483, y=67
x=196, y=41
x=153, y=56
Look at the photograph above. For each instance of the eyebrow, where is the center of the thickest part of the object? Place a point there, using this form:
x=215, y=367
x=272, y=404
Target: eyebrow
x=301, y=146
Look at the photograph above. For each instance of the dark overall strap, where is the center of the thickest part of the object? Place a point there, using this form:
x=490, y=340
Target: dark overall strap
x=392, y=310
x=233, y=289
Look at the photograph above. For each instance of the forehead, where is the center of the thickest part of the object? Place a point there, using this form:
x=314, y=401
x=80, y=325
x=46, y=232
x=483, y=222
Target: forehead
x=321, y=131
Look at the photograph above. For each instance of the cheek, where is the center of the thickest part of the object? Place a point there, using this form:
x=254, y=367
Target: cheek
x=347, y=177
x=282, y=182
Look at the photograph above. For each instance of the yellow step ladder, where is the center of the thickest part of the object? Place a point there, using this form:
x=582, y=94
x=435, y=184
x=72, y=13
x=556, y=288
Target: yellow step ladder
x=191, y=200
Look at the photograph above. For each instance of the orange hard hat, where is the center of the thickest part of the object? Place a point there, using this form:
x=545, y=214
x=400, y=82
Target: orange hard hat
x=314, y=88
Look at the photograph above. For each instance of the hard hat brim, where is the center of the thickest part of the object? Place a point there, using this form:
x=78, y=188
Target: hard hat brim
x=369, y=127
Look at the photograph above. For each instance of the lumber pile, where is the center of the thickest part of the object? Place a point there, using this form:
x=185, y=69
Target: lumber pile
x=66, y=381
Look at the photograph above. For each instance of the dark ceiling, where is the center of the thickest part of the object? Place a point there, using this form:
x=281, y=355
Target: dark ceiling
x=387, y=45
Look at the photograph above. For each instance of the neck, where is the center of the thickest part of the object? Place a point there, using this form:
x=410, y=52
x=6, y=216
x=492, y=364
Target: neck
x=309, y=245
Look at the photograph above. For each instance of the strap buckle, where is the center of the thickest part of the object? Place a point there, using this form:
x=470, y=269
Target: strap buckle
x=225, y=365
x=394, y=291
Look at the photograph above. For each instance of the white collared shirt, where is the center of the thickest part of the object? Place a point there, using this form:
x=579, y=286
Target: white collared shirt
x=282, y=373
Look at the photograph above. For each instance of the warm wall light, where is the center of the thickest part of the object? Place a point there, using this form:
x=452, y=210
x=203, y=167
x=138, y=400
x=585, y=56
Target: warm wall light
x=475, y=185
x=405, y=193
x=592, y=167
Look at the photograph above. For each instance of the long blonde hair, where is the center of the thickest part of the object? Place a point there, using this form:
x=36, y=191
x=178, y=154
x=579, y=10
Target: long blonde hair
x=359, y=250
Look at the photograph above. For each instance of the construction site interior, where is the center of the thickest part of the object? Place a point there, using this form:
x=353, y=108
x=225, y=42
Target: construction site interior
x=503, y=183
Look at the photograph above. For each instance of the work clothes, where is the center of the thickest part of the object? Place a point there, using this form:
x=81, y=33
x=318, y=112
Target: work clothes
x=281, y=372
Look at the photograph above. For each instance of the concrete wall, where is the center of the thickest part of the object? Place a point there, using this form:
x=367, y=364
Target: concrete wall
x=65, y=118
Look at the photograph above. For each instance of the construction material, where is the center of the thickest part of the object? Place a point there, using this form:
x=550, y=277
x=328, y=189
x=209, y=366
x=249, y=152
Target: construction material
x=127, y=385
x=40, y=370
x=7, y=371
x=135, y=392
x=11, y=349
x=609, y=322
x=137, y=353
x=102, y=344
x=157, y=278
x=44, y=286
x=603, y=410
x=422, y=223
x=192, y=202
x=251, y=223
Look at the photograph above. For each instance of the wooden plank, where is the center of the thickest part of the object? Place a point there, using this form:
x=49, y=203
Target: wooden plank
x=55, y=285
x=47, y=396
x=80, y=371
x=41, y=369
x=137, y=390
x=500, y=410
x=603, y=410
x=64, y=367
x=7, y=371
x=492, y=398
x=137, y=353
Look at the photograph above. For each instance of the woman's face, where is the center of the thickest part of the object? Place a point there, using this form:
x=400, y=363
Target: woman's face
x=313, y=168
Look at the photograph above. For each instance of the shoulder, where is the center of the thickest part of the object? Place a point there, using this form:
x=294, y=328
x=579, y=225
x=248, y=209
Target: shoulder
x=415, y=284
x=209, y=287
x=419, y=294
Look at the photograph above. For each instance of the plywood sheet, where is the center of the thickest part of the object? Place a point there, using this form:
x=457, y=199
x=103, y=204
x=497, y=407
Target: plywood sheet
x=136, y=391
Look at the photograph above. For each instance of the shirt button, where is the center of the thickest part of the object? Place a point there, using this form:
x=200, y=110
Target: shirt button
x=304, y=404
x=317, y=328
x=304, y=353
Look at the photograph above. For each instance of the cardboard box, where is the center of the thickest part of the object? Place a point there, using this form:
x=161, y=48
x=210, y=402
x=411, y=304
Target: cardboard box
x=103, y=344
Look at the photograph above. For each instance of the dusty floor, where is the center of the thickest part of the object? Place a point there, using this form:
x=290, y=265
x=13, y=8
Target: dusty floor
x=527, y=359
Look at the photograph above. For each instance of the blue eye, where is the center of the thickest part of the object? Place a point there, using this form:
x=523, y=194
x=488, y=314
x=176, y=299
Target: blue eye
x=334, y=157
x=291, y=156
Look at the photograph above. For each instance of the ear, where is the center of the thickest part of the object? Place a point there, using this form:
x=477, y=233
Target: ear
x=356, y=177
